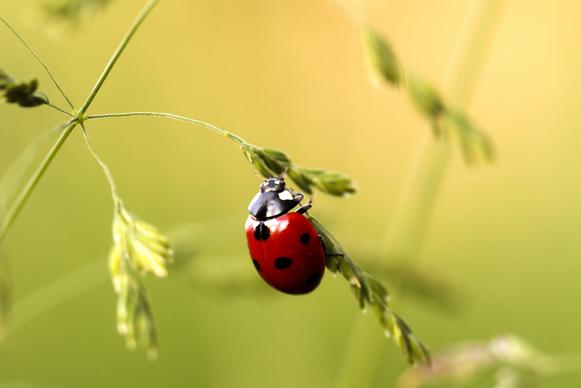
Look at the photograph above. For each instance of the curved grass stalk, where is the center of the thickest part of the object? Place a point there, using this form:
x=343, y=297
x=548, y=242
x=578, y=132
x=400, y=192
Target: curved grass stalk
x=241, y=142
x=267, y=161
x=422, y=186
x=102, y=164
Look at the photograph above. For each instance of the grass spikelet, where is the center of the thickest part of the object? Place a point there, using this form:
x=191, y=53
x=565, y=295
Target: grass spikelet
x=72, y=11
x=384, y=65
x=139, y=249
x=381, y=59
x=370, y=292
x=22, y=93
x=270, y=162
x=504, y=358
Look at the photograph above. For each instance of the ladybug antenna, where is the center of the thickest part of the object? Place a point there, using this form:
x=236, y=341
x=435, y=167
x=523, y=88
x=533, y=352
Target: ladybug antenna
x=284, y=172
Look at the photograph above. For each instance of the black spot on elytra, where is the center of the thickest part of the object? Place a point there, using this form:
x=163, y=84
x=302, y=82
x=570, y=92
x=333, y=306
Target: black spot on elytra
x=283, y=262
x=256, y=265
x=261, y=232
x=313, y=279
x=305, y=238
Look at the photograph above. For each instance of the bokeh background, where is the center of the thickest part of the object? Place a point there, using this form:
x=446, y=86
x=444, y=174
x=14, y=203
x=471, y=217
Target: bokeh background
x=290, y=75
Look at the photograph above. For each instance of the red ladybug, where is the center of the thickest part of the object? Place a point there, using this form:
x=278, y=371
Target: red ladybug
x=285, y=248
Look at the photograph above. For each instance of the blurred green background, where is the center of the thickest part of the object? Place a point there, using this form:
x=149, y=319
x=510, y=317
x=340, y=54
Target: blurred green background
x=290, y=75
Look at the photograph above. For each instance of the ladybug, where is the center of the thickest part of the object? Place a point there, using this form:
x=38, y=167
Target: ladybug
x=285, y=248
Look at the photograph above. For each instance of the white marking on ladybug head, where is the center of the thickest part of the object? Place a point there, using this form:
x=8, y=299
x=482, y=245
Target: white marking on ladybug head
x=286, y=195
x=272, y=184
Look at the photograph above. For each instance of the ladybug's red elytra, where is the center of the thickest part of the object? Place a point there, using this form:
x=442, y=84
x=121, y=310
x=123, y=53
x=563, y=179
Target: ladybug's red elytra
x=285, y=248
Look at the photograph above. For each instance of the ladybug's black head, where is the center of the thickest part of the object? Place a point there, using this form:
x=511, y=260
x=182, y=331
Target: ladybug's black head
x=272, y=184
x=273, y=200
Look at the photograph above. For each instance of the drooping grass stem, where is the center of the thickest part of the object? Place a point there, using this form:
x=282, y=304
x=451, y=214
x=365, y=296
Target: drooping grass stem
x=172, y=116
x=422, y=186
x=102, y=164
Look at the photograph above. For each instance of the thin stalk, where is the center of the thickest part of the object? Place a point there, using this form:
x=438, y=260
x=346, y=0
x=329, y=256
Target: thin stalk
x=59, y=109
x=122, y=46
x=172, y=116
x=40, y=61
x=33, y=181
x=102, y=164
x=407, y=228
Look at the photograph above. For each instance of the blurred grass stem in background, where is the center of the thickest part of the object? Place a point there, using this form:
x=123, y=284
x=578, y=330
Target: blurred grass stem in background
x=411, y=217
x=413, y=211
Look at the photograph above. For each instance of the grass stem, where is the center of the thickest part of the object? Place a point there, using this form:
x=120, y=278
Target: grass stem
x=113, y=60
x=33, y=181
x=418, y=197
x=102, y=164
x=407, y=228
x=52, y=106
x=172, y=116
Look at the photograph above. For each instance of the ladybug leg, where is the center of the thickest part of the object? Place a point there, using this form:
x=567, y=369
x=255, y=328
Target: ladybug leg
x=323, y=245
x=331, y=258
x=305, y=208
x=327, y=252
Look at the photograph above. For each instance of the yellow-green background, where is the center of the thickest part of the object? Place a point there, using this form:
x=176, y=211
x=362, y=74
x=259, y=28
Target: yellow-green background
x=291, y=75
